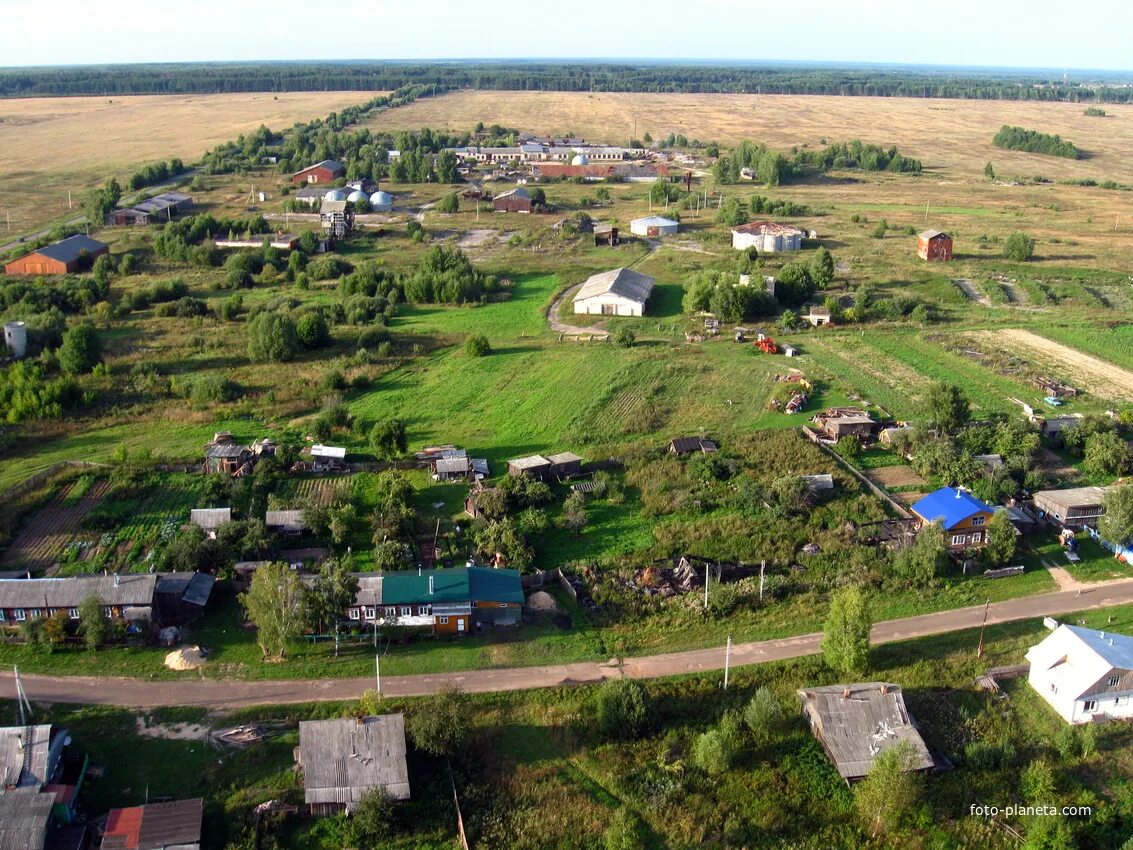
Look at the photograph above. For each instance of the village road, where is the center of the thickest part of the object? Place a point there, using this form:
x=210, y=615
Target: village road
x=214, y=694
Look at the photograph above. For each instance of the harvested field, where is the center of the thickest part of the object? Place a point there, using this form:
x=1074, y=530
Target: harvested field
x=889, y=477
x=43, y=539
x=954, y=135
x=1094, y=374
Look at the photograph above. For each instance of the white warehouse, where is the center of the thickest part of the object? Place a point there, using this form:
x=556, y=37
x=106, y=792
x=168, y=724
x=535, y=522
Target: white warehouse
x=1084, y=674
x=767, y=237
x=653, y=225
x=621, y=292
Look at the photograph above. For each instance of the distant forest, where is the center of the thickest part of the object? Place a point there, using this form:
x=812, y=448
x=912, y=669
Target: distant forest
x=191, y=78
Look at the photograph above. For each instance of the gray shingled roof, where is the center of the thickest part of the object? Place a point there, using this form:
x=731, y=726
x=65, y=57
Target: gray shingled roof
x=24, y=752
x=210, y=519
x=128, y=589
x=70, y=249
x=194, y=588
x=24, y=814
x=531, y=462
x=291, y=520
x=343, y=759
x=623, y=282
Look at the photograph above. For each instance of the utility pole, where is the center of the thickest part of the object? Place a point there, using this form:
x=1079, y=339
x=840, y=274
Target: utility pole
x=707, y=568
x=378, y=670
x=727, y=660
x=926, y=210
x=762, y=567
x=980, y=650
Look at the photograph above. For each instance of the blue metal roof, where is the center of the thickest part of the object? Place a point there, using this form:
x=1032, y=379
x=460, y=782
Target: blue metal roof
x=950, y=506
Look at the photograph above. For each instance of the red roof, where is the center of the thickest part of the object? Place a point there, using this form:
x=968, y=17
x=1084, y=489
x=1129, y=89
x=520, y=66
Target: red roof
x=126, y=825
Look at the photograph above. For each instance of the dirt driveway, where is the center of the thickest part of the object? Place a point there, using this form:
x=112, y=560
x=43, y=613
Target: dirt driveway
x=1084, y=370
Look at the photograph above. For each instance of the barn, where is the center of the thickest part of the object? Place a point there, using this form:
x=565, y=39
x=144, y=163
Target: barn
x=64, y=257
x=514, y=201
x=653, y=225
x=768, y=237
x=326, y=171
x=934, y=245
x=621, y=292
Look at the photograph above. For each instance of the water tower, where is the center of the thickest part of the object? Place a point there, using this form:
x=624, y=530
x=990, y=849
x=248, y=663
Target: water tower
x=16, y=338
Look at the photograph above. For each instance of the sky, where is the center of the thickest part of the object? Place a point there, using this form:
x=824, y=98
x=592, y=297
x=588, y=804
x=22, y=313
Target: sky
x=987, y=33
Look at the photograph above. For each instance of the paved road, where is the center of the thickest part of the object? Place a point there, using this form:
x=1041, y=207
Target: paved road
x=217, y=694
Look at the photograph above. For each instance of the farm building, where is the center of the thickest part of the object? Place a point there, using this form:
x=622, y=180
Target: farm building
x=856, y=723
x=337, y=218
x=343, y=759
x=285, y=522
x=564, y=465
x=620, y=292
x=451, y=468
x=1085, y=675
x=209, y=520
x=326, y=171
x=605, y=235
x=690, y=445
x=181, y=597
x=449, y=601
x=381, y=202
x=163, y=207
x=327, y=458
x=934, y=245
x=654, y=225
x=175, y=825
x=74, y=254
x=513, y=201
x=1075, y=507
x=281, y=241
x=963, y=517
x=768, y=237
x=226, y=458
x=839, y=422
x=536, y=466
x=128, y=597
x=818, y=316
x=1053, y=427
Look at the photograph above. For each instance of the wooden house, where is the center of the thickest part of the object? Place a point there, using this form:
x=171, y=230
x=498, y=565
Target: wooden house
x=1084, y=674
x=963, y=517
x=537, y=466
x=856, y=723
x=285, y=522
x=181, y=597
x=74, y=254
x=343, y=759
x=174, y=825
x=839, y=422
x=209, y=520
x=605, y=235
x=226, y=458
x=691, y=445
x=326, y=171
x=1074, y=507
x=564, y=465
x=934, y=245
x=129, y=597
x=451, y=468
x=513, y=201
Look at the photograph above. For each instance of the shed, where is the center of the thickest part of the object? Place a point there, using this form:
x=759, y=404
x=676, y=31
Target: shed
x=689, y=445
x=326, y=171
x=182, y=596
x=768, y=237
x=30, y=756
x=605, y=234
x=285, y=522
x=226, y=457
x=343, y=759
x=74, y=254
x=25, y=814
x=856, y=723
x=818, y=316
x=1074, y=507
x=839, y=422
x=619, y=292
x=514, y=201
x=565, y=465
x=175, y=825
x=210, y=519
x=654, y=225
x=536, y=466
x=934, y=245
x=327, y=458
x=451, y=468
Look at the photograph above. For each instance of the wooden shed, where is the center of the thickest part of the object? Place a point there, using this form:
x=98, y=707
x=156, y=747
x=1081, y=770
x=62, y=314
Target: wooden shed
x=515, y=201
x=326, y=171
x=565, y=465
x=74, y=254
x=537, y=466
x=934, y=245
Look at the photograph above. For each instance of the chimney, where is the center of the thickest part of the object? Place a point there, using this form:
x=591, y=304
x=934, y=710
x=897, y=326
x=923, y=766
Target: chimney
x=846, y=694
x=116, y=579
x=430, y=585
x=957, y=492
x=884, y=689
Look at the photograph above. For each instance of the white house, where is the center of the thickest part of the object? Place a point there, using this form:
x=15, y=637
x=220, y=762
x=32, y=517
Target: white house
x=621, y=292
x=653, y=225
x=768, y=237
x=1085, y=675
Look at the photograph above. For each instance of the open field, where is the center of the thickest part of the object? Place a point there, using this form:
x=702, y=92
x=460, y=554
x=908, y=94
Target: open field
x=919, y=127
x=55, y=144
x=1084, y=370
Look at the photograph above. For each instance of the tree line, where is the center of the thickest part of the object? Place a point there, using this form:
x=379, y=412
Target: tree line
x=219, y=78
x=1032, y=141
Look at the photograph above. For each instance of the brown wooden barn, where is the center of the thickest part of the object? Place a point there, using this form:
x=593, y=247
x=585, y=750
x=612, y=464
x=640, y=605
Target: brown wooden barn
x=74, y=254
x=515, y=201
x=934, y=245
x=326, y=171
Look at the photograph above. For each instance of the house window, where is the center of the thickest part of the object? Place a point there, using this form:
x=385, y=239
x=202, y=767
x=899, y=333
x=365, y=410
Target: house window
x=977, y=537
x=74, y=613
x=109, y=612
x=406, y=610
x=503, y=604
x=1112, y=681
x=371, y=613
x=390, y=611
x=18, y=614
x=424, y=610
x=355, y=614
x=1053, y=688
x=35, y=613
x=979, y=520
x=2, y=617
x=444, y=621
x=958, y=539
x=1090, y=705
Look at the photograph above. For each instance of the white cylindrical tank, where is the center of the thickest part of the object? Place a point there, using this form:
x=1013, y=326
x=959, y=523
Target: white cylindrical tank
x=355, y=196
x=16, y=338
x=381, y=201
x=580, y=159
x=335, y=195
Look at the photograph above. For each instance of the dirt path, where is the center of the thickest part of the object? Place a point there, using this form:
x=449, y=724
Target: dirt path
x=1084, y=370
x=559, y=326
x=970, y=290
x=222, y=694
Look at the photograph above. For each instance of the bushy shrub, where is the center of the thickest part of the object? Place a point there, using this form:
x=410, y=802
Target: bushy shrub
x=622, y=709
x=477, y=346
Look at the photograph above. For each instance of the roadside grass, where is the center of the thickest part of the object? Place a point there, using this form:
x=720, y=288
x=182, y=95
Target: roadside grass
x=1096, y=564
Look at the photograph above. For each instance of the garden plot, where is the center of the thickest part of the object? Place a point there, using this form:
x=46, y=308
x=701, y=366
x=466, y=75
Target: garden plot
x=893, y=477
x=1092, y=373
x=40, y=543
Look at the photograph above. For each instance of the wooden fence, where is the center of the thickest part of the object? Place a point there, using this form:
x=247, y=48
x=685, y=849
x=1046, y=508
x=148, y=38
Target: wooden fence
x=901, y=510
x=544, y=578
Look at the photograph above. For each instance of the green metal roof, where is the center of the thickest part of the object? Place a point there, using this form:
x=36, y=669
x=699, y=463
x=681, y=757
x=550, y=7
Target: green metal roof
x=461, y=584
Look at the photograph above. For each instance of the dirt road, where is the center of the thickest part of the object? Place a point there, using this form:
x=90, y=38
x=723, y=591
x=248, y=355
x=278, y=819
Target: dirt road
x=559, y=326
x=1084, y=370
x=220, y=694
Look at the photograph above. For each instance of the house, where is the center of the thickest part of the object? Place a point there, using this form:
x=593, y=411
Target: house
x=327, y=458
x=620, y=292
x=856, y=723
x=818, y=316
x=605, y=235
x=226, y=458
x=311, y=195
x=25, y=819
x=326, y=171
x=181, y=597
x=564, y=465
x=963, y=516
x=514, y=201
x=209, y=520
x=1075, y=507
x=1053, y=427
x=688, y=445
x=285, y=522
x=175, y=825
x=74, y=254
x=128, y=596
x=934, y=245
x=768, y=237
x=536, y=466
x=452, y=601
x=343, y=759
x=1085, y=675
x=654, y=225
x=31, y=756
x=839, y=422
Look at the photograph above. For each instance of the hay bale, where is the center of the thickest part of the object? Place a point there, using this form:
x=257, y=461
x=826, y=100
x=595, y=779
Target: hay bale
x=185, y=658
x=540, y=600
